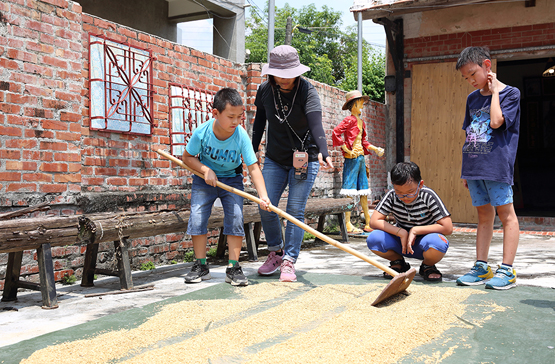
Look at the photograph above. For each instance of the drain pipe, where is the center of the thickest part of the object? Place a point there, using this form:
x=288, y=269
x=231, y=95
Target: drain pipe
x=395, y=42
x=359, y=60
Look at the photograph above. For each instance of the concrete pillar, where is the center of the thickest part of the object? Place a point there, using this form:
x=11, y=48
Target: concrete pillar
x=229, y=37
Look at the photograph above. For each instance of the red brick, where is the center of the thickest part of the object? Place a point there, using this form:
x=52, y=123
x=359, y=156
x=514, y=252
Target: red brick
x=21, y=187
x=53, y=146
x=10, y=176
x=74, y=167
x=97, y=181
x=37, y=177
x=10, y=108
x=67, y=157
x=65, y=178
x=21, y=166
x=10, y=154
x=37, y=133
x=68, y=136
x=53, y=167
x=53, y=188
x=116, y=181
x=105, y=171
x=54, y=104
x=11, y=131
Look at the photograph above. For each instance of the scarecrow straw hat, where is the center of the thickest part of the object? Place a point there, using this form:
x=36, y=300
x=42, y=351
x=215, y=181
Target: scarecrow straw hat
x=353, y=95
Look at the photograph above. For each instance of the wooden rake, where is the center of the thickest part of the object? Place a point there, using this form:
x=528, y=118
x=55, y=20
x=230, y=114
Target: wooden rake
x=398, y=284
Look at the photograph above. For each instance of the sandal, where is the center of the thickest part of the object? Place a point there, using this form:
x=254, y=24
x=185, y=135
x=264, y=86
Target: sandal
x=402, y=267
x=426, y=270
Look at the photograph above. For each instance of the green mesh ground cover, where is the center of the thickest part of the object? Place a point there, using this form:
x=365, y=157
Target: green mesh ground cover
x=523, y=333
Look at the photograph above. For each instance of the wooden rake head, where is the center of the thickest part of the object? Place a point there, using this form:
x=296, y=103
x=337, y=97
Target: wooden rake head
x=398, y=284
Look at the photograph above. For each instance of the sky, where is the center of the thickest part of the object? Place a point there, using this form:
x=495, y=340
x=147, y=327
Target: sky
x=198, y=34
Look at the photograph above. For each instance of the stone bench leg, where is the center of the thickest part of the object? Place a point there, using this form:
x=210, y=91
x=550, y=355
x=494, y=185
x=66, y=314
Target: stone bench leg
x=123, y=264
x=257, y=230
x=47, y=285
x=87, y=280
x=46, y=274
x=13, y=271
x=251, y=242
x=220, y=251
x=342, y=226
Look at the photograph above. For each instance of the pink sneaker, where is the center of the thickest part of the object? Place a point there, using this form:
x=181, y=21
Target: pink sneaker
x=287, y=272
x=271, y=265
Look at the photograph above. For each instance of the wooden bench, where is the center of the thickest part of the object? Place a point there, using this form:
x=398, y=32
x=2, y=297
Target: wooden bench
x=42, y=233
x=38, y=234
x=315, y=208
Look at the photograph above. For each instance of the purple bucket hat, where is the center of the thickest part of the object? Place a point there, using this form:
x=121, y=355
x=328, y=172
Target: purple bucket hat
x=284, y=63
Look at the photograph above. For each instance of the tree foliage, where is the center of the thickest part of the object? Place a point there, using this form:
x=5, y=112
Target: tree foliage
x=330, y=52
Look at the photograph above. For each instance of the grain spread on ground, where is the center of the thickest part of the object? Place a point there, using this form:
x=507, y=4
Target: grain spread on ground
x=267, y=322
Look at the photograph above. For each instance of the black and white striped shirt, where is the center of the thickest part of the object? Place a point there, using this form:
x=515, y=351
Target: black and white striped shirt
x=426, y=209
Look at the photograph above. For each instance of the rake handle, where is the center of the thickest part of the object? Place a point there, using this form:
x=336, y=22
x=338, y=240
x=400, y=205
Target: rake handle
x=285, y=215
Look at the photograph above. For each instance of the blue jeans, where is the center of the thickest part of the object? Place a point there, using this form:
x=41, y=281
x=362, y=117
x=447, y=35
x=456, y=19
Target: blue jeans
x=202, y=199
x=276, y=178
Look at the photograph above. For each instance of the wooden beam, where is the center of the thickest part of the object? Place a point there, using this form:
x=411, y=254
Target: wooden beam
x=403, y=7
x=26, y=210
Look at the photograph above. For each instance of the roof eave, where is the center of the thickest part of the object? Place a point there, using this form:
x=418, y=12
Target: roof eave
x=407, y=7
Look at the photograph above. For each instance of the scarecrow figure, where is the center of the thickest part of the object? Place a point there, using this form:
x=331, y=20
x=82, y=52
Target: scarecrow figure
x=355, y=146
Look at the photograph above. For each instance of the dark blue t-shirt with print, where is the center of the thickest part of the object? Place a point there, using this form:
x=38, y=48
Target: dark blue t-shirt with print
x=489, y=154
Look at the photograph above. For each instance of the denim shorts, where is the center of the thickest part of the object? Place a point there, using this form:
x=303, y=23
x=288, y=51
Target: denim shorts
x=489, y=192
x=354, y=176
x=202, y=199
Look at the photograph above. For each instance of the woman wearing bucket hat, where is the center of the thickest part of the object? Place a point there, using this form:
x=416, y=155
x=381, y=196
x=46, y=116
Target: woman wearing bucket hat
x=296, y=147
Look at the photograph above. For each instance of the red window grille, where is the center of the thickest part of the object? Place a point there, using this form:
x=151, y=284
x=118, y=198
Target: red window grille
x=120, y=87
x=189, y=107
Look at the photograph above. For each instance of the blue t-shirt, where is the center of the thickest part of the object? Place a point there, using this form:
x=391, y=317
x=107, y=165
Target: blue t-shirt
x=489, y=154
x=221, y=156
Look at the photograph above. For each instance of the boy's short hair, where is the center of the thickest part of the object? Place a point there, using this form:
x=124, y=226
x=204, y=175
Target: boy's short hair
x=405, y=172
x=227, y=96
x=473, y=55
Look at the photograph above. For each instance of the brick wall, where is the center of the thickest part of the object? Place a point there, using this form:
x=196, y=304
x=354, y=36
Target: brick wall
x=48, y=153
x=496, y=39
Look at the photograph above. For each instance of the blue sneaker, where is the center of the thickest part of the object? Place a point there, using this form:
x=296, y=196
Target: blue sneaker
x=505, y=278
x=477, y=275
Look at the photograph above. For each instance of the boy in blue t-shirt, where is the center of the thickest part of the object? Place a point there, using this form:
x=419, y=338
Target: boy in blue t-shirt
x=215, y=150
x=491, y=122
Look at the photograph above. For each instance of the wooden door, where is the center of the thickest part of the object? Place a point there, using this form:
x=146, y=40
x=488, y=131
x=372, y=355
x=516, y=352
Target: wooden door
x=438, y=104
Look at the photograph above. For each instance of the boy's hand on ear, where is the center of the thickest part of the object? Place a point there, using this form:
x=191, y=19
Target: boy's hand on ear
x=492, y=82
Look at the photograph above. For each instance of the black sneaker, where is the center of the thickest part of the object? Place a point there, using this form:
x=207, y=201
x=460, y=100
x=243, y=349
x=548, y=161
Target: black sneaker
x=198, y=273
x=235, y=276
